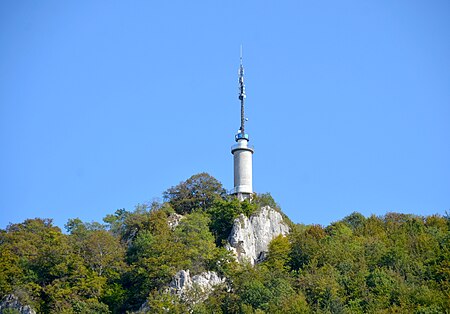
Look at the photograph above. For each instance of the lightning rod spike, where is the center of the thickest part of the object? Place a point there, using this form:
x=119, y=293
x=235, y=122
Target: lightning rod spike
x=241, y=54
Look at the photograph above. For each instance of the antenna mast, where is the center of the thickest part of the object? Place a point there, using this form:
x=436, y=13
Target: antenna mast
x=242, y=94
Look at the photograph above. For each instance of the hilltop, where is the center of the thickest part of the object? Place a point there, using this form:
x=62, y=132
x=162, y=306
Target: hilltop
x=202, y=251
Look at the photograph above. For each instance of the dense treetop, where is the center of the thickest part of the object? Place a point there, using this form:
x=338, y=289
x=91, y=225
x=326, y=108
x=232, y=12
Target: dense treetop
x=394, y=263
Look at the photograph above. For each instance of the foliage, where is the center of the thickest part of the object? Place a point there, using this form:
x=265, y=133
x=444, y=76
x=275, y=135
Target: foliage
x=392, y=263
x=278, y=257
x=154, y=257
x=375, y=264
x=162, y=302
x=49, y=274
x=198, y=192
x=223, y=213
x=198, y=242
x=264, y=199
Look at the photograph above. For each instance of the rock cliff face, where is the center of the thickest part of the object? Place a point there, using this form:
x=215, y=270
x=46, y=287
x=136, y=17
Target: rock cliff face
x=182, y=284
x=174, y=220
x=191, y=290
x=12, y=303
x=250, y=237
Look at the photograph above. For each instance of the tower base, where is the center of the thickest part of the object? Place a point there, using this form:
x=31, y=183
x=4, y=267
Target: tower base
x=243, y=196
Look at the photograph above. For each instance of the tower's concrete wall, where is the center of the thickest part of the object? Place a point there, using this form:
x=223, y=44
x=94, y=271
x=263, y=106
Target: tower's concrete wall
x=243, y=155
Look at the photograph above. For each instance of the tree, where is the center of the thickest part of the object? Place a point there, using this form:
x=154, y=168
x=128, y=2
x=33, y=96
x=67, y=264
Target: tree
x=198, y=192
x=278, y=256
x=199, y=248
x=51, y=276
x=101, y=251
x=394, y=263
x=265, y=199
x=306, y=245
x=154, y=256
x=223, y=213
x=163, y=302
x=355, y=220
x=116, y=222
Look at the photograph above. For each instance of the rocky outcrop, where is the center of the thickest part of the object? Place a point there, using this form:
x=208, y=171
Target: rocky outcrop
x=12, y=303
x=250, y=237
x=191, y=290
x=196, y=288
x=174, y=220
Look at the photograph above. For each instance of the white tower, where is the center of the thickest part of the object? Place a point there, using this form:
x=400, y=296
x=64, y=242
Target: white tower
x=242, y=152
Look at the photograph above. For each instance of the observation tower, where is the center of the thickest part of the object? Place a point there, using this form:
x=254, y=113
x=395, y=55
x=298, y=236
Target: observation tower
x=242, y=152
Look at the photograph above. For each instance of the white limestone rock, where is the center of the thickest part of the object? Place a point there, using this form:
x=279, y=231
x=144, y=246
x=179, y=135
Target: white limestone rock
x=191, y=290
x=183, y=283
x=12, y=303
x=250, y=237
x=174, y=220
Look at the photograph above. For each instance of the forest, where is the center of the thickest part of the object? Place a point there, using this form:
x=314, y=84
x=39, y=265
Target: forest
x=395, y=263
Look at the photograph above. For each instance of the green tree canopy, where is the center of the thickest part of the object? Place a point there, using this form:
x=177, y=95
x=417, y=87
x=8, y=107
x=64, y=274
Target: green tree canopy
x=396, y=263
x=198, y=192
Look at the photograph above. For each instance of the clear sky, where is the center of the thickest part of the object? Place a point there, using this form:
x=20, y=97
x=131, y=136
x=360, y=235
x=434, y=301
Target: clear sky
x=106, y=104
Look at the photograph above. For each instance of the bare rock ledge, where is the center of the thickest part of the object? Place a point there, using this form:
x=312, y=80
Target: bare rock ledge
x=250, y=237
x=12, y=304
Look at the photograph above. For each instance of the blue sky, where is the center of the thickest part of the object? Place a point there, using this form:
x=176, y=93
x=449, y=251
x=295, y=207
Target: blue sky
x=106, y=104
